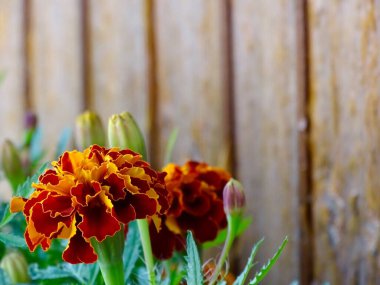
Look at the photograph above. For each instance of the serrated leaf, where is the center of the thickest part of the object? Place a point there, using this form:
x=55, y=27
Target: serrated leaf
x=63, y=142
x=132, y=249
x=170, y=145
x=83, y=273
x=51, y=272
x=194, y=269
x=7, y=216
x=26, y=189
x=11, y=240
x=221, y=237
x=243, y=276
x=259, y=276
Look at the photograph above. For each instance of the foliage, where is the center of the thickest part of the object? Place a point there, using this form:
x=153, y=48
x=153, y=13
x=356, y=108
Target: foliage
x=194, y=274
x=182, y=268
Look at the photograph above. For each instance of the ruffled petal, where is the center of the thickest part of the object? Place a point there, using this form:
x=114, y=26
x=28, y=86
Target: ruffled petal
x=79, y=250
x=17, y=204
x=97, y=221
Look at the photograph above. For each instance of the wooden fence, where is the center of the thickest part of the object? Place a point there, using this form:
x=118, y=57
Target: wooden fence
x=285, y=93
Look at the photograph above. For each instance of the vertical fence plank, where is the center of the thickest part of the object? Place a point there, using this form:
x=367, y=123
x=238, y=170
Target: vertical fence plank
x=11, y=76
x=265, y=54
x=56, y=77
x=11, y=69
x=119, y=59
x=345, y=139
x=191, y=79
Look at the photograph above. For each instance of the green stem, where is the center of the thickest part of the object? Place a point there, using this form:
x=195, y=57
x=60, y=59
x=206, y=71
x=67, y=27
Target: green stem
x=147, y=248
x=111, y=272
x=110, y=258
x=233, y=223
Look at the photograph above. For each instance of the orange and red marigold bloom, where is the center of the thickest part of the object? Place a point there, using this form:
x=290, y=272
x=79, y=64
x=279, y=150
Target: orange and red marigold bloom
x=90, y=195
x=196, y=204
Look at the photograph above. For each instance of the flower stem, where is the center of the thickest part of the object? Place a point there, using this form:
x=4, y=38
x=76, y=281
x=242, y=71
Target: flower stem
x=147, y=248
x=233, y=224
x=110, y=258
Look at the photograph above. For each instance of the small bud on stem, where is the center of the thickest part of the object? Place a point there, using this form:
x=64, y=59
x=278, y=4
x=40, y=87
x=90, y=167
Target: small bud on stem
x=89, y=130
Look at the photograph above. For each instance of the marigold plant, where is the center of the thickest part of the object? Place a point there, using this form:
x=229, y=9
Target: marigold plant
x=91, y=194
x=196, y=204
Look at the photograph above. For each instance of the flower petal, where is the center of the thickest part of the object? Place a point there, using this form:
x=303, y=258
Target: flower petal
x=79, y=250
x=97, y=221
x=17, y=204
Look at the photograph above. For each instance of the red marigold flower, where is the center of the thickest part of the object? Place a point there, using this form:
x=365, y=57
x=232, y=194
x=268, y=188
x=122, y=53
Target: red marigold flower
x=196, y=204
x=90, y=194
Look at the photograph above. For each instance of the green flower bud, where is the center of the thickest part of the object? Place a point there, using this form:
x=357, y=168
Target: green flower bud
x=89, y=130
x=16, y=266
x=12, y=165
x=233, y=197
x=124, y=132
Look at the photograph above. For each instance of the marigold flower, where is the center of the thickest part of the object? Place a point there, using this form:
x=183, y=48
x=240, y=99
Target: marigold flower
x=196, y=204
x=89, y=195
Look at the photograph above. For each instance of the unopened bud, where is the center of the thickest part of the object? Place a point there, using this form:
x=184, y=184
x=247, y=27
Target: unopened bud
x=233, y=197
x=30, y=124
x=16, y=266
x=11, y=164
x=124, y=132
x=89, y=130
x=30, y=120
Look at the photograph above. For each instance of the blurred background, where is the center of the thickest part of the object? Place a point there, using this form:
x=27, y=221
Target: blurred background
x=284, y=93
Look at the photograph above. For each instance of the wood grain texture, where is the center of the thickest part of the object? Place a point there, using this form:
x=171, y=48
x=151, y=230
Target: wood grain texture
x=265, y=54
x=56, y=78
x=12, y=84
x=11, y=69
x=191, y=79
x=119, y=59
x=345, y=139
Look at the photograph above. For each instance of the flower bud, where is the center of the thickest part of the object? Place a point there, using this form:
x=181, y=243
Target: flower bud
x=89, y=130
x=16, y=266
x=233, y=197
x=30, y=125
x=11, y=164
x=30, y=120
x=124, y=132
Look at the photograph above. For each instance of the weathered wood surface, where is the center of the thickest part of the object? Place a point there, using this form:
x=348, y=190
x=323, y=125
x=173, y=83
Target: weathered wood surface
x=12, y=74
x=191, y=79
x=55, y=64
x=345, y=140
x=265, y=52
x=192, y=94
x=119, y=59
x=11, y=69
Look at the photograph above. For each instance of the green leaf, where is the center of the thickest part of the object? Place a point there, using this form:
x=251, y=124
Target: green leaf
x=36, y=151
x=51, y=272
x=222, y=235
x=2, y=76
x=63, y=142
x=11, y=240
x=7, y=216
x=243, y=276
x=259, y=276
x=132, y=250
x=26, y=189
x=170, y=145
x=83, y=273
x=194, y=269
